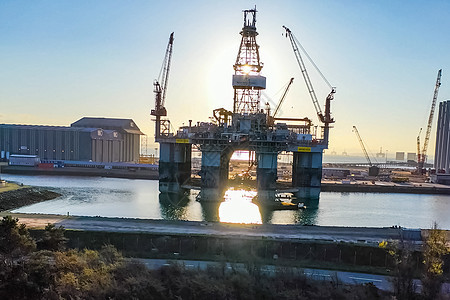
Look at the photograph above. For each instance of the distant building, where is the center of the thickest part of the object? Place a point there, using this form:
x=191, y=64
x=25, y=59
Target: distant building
x=442, y=152
x=335, y=173
x=400, y=156
x=88, y=139
x=411, y=156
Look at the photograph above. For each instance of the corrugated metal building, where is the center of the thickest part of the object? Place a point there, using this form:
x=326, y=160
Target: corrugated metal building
x=442, y=152
x=88, y=139
x=400, y=156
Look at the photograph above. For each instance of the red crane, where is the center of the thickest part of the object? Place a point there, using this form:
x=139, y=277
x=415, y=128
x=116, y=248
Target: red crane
x=324, y=118
x=160, y=88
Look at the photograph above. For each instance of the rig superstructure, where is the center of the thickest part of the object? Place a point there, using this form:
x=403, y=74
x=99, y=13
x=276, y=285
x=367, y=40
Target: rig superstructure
x=247, y=127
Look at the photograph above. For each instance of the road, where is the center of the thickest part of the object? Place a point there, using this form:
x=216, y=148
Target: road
x=339, y=277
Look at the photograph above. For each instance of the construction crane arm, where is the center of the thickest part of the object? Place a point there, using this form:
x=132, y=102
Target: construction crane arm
x=324, y=118
x=160, y=88
x=166, y=68
x=418, y=146
x=160, y=84
x=430, y=118
x=362, y=145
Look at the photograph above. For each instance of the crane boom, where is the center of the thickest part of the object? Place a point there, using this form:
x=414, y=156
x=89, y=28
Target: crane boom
x=326, y=119
x=160, y=88
x=166, y=68
x=362, y=145
x=277, y=109
x=430, y=122
x=418, y=146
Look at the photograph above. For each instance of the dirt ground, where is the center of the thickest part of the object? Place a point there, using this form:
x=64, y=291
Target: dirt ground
x=34, y=221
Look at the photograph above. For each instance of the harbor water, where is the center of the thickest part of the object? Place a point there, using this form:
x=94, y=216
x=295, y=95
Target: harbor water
x=131, y=198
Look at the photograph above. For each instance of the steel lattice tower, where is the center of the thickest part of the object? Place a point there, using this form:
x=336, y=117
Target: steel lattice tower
x=247, y=82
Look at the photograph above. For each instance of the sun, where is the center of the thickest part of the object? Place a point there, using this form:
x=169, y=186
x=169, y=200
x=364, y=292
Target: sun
x=246, y=69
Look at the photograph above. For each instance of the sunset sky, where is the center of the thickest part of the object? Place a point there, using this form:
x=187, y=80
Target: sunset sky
x=63, y=60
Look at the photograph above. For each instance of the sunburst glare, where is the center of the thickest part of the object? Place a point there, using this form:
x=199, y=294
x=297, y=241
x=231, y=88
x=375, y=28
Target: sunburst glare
x=238, y=208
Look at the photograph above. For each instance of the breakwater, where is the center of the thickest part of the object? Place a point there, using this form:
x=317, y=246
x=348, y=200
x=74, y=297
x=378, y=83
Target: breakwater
x=25, y=196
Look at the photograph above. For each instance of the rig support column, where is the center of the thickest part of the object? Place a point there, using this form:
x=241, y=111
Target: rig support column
x=266, y=174
x=307, y=174
x=174, y=166
x=214, y=172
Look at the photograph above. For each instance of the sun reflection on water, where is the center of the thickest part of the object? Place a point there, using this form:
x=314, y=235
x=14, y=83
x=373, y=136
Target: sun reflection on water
x=238, y=207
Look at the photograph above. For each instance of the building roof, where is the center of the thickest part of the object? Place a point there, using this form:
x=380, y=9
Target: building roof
x=39, y=127
x=124, y=125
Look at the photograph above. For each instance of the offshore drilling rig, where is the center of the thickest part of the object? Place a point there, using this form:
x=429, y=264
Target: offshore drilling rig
x=247, y=127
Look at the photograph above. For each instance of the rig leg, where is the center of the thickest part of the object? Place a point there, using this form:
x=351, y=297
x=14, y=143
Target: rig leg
x=214, y=174
x=266, y=174
x=174, y=167
x=307, y=174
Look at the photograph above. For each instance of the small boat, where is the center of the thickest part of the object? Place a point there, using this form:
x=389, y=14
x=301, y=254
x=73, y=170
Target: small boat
x=281, y=205
x=301, y=205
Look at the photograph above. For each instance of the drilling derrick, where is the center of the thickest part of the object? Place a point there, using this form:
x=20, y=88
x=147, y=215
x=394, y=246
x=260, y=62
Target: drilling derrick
x=247, y=81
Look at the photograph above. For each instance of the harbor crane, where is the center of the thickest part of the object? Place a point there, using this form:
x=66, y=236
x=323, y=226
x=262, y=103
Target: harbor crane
x=160, y=89
x=373, y=170
x=422, y=156
x=325, y=118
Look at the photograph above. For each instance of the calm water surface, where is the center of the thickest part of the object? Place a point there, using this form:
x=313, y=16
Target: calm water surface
x=113, y=197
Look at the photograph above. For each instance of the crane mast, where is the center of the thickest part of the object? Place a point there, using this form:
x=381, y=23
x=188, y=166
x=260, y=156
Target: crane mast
x=160, y=88
x=324, y=118
x=421, y=160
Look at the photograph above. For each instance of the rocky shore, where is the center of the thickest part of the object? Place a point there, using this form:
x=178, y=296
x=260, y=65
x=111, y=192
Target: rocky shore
x=24, y=196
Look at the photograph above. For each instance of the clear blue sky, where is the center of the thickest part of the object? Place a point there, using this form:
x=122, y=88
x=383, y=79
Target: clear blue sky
x=62, y=60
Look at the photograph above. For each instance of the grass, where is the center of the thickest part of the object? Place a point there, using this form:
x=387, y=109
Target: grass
x=11, y=187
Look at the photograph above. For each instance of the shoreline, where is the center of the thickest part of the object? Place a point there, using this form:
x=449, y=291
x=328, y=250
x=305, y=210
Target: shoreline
x=24, y=196
x=75, y=171
x=374, y=188
x=282, y=186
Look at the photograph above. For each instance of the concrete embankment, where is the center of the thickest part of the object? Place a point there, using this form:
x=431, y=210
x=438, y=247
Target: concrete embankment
x=375, y=188
x=75, y=171
x=247, y=231
x=347, y=248
x=289, y=245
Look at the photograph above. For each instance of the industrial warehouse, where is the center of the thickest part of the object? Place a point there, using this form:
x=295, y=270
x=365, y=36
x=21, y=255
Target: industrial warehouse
x=88, y=139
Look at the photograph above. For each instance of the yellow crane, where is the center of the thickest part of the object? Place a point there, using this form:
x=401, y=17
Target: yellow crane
x=373, y=170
